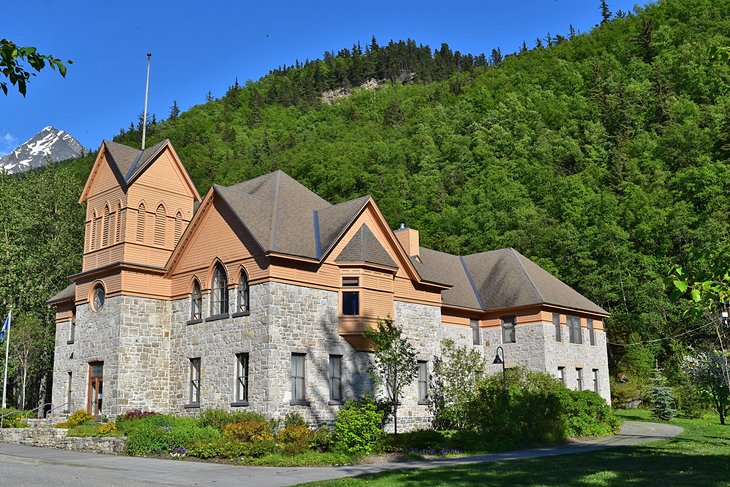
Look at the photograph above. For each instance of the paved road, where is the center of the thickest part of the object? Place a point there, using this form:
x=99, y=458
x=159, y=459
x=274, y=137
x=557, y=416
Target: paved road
x=22, y=466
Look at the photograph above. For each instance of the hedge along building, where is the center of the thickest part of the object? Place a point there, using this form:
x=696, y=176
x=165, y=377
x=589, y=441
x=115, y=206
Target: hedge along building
x=258, y=295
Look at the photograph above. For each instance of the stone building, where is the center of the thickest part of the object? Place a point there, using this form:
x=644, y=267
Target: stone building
x=257, y=296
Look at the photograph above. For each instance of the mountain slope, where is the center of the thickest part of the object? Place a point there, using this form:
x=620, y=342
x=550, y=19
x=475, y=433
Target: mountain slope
x=48, y=144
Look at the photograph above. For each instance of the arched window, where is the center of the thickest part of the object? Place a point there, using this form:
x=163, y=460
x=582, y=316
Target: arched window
x=178, y=227
x=219, y=292
x=196, y=302
x=118, y=234
x=160, y=217
x=105, y=233
x=91, y=230
x=242, y=294
x=141, y=215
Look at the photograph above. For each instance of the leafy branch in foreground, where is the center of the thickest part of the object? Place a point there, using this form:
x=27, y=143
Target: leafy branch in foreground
x=13, y=67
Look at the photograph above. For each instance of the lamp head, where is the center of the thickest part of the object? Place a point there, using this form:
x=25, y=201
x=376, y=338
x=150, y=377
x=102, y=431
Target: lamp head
x=497, y=359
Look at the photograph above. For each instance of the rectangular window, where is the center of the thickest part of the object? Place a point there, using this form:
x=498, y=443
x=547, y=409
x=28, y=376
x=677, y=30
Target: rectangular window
x=508, y=329
x=350, y=303
x=561, y=375
x=67, y=409
x=591, y=332
x=72, y=329
x=241, y=378
x=556, y=324
x=574, y=329
x=350, y=281
x=595, y=381
x=579, y=378
x=422, y=382
x=194, y=396
x=335, y=376
x=297, y=378
x=476, y=334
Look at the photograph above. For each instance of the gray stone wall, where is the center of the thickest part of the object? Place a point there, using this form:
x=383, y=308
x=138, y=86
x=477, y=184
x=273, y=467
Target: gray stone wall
x=57, y=438
x=131, y=336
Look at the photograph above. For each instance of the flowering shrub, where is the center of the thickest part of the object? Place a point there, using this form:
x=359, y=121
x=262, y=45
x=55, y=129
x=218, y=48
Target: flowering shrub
x=252, y=430
x=78, y=418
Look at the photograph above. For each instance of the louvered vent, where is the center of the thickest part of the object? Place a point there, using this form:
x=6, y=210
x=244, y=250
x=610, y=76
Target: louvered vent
x=140, y=222
x=160, y=218
x=178, y=227
x=105, y=234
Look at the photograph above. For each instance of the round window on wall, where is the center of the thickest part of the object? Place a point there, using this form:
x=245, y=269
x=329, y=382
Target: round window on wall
x=97, y=300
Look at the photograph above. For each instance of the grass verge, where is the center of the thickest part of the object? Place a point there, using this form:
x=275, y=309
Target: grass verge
x=700, y=456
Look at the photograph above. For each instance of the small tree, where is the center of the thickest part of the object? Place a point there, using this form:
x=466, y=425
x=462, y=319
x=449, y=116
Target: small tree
x=394, y=363
x=456, y=375
x=661, y=397
x=26, y=348
x=709, y=370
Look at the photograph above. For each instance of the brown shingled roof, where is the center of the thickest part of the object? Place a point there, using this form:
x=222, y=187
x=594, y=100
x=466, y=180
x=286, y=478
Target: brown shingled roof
x=68, y=294
x=365, y=247
x=499, y=279
x=129, y=161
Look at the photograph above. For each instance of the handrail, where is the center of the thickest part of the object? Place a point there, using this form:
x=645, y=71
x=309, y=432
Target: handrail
x=25, y=413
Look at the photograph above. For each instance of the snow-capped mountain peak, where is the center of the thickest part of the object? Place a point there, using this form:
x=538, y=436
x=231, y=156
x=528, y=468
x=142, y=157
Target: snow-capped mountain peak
x=48, y=144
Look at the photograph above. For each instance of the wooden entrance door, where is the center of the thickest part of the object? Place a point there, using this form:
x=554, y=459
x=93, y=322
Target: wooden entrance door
x=96, y=388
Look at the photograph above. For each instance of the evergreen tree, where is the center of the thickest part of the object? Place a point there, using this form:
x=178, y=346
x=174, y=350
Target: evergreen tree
x=496, y=57
x=661, y=397
x=209, y=97
x=174, y=111
x=538, y=43
x=571, y=32
x=605, y=12
x=523, y=47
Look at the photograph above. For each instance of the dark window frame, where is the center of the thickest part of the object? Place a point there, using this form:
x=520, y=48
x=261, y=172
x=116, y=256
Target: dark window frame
x=579, y=377
x=508, y=329
x=243, y=295
x=335, y=379
x=240, y=393
x=574, y=327
x=196, y=302
x=561, y=375
x=591, y=332
x=194, y=382
x=558, y=327
x=72, y=329
x=476, y=332
x=219, y=291
x=423, y=382
x=595, y=381
x=297, y=380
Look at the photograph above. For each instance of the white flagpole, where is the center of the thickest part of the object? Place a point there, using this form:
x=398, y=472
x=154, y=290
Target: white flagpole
x=7, y=348
x=146, y=91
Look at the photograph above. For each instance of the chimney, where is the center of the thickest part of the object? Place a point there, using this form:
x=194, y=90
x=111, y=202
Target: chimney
x=408, y=238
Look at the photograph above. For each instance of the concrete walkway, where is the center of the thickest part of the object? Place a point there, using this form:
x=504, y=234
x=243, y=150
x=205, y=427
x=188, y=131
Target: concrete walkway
x=22, y=466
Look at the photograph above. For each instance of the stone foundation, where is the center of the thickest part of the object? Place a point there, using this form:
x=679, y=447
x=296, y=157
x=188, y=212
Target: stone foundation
x=57, y=438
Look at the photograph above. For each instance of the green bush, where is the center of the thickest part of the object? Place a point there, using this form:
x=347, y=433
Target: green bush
x=528, y=413
x=217, y=448
x=321, y=440
x=161, y=432
x=294, y=419
x=587, y=414
x=250, y=430
x=294, y=439
x=219, y=419
x=357, y=428
x=14, y=418
x=78, y=418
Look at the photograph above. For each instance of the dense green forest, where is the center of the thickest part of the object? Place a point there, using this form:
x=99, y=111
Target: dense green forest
x=603, y=156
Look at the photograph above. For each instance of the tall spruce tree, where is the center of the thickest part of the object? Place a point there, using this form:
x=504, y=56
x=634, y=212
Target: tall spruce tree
x=661, y=397
x=605, y=12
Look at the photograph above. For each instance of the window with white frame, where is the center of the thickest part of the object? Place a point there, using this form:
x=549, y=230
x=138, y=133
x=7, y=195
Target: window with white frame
x=508, y=329
x=350, y=298
x=422, y=382
x=241, y=392
x=194, y=393
x=335, y=378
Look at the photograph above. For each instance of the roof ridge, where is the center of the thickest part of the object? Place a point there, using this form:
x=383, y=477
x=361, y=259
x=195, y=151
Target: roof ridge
x=471, y=281
x=274, y=209
x=514, y=254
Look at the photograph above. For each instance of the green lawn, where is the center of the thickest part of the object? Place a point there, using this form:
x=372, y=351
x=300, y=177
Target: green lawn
x=698, y=457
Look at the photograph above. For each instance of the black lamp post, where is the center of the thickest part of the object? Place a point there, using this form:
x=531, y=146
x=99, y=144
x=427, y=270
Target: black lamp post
x=500, y=360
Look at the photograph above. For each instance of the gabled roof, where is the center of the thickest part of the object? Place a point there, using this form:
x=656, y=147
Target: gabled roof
x=501, y=279
x=68, y=294
x=129, y=163
x=365, y=247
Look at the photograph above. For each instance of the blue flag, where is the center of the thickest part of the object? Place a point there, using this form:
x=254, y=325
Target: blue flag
x=5, y=328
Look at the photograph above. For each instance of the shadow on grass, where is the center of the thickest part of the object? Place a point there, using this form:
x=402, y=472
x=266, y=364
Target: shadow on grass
x=620, y=466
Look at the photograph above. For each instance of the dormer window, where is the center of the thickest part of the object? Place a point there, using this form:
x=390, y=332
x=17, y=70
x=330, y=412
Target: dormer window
x=350, y=299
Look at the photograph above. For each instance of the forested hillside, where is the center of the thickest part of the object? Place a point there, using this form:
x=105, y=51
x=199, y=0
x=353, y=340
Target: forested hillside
x=603, y=156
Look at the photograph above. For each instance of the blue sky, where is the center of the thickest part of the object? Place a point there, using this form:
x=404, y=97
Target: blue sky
x=201, y=46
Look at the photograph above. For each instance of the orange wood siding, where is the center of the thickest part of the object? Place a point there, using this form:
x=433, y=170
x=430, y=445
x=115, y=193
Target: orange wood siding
x=64, y=312
x=217, y=235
